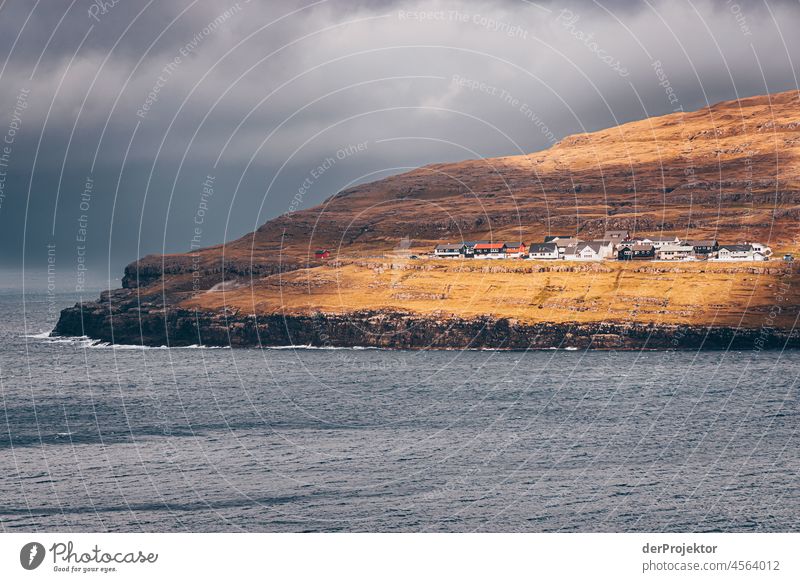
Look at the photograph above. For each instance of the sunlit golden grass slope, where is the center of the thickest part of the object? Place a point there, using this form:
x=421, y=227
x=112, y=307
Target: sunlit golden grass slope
x=529, y=291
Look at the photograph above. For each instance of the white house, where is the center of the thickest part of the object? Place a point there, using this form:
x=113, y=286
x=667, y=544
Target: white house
x=617, y=237
x=660, y=241
x=594, y=251
x=564, y=243
x=745, y=252
x=675, y=252
x=735, y=253
x=448, y=250
x=764, y=250
x=569, y=253
x=548, y=250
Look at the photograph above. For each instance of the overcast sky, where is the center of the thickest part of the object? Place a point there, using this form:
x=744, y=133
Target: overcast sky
x=145, y=100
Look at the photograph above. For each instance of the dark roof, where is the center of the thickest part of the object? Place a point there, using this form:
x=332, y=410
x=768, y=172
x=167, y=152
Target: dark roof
x=700, y=243
x=642, y=247
x=513, y=245
x=737, y=248
x=551, y=238
x=547, y=247
x=595, y=245
x=677, y=247
x=660, y=238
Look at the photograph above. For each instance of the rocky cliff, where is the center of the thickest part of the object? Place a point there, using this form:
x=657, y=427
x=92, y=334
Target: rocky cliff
x=396, y=330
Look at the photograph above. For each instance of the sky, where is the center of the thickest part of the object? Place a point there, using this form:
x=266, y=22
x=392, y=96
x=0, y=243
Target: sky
x=129, y=125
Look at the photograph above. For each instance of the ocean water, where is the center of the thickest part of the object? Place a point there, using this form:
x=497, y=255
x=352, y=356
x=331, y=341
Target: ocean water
x=94, y=438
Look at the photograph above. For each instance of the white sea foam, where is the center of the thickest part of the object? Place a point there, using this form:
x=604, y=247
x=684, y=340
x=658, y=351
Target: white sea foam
x=43, y=335
x=310, y=347
x=109, y=346
x=87, y=342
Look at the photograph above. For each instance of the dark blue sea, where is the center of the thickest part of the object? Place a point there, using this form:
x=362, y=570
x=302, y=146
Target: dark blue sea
x=94, y=438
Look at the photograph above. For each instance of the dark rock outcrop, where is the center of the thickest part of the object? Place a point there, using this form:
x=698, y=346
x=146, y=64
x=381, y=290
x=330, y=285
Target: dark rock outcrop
x=178, y=327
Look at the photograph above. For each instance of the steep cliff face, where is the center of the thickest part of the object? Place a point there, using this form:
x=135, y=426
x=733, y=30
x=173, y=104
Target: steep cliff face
x=731, y=172
x=393, y=330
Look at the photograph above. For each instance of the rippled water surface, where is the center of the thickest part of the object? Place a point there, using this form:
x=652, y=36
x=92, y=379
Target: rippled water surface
x=94, y=438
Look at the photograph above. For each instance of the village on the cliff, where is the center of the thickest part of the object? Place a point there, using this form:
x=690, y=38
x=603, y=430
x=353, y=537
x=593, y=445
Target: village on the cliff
x=615, y=245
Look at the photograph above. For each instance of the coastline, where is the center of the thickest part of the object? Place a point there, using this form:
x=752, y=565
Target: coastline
x=399, y=330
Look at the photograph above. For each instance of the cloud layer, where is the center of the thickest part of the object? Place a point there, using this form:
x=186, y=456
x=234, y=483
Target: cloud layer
x=146, y=100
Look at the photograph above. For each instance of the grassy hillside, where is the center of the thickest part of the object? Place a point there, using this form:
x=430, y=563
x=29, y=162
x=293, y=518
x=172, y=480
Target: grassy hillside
x=528, y=291
x=730, y=171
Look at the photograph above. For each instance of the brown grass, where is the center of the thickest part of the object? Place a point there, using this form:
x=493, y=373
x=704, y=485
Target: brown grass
x=530, y=291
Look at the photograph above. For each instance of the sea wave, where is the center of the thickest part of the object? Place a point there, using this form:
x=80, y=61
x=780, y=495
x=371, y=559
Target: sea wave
x=42, y=335
x=310, y=347
x=87, y=342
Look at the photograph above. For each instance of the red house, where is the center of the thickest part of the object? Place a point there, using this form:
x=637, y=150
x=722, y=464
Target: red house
x=322, y=254
x=516, y=250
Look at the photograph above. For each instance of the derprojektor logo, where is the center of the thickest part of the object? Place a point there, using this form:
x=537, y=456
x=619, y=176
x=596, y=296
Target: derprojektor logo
x=31, y=555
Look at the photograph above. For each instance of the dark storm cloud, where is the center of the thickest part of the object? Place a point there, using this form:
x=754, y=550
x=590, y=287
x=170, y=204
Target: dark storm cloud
x=159, y=92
